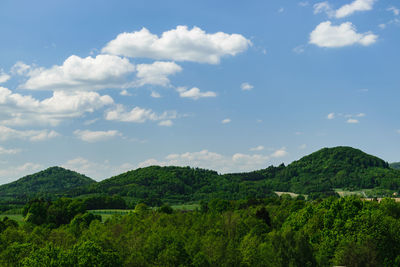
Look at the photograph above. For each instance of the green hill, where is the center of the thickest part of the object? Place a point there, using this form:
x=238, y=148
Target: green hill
x=52, y=181
x=177, y=185
x=395, y=165
x=321, y=171
x=330, y=168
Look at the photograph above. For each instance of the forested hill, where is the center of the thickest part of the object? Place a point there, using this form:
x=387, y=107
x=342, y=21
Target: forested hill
x=176, y=185
x=321, y=171
x=332, y=168
x=395, y=165
x=50, y=181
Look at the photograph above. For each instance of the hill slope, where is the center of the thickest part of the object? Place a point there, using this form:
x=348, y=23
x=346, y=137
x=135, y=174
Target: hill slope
x=178, y=184
x=54, y=180
x=332, y=168
x=395, y=165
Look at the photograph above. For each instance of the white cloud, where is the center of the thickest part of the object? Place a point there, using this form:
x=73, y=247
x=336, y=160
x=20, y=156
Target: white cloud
x=352, y=121
x=4, y=77
x=395, y=10
x=357, y=5
x=76, y=73
x=166, y=123
x=156, y=73
x=11, y=173
x=7, y=133
x=299, y=49
x=279, y=153
x=20, y=109
x=125, y=93
x=345, y=10
x=225, y=121
x=326, y=35
x=215, y=161
x=355, y=115
x=20, y=68
x=96, y=136
x=246, y=86
x=180, y=44
x=382, y=26
x=323, y=7
x=330, y=116
x=303, y=146
x=257, y=148
x=9, y=151
x=96, y=170
x=155, y=94
x=137, y=115
x=194, y=93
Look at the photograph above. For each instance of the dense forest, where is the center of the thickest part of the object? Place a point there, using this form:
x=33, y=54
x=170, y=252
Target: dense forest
x=316, y=175
x=239, y=220
x=255, y=232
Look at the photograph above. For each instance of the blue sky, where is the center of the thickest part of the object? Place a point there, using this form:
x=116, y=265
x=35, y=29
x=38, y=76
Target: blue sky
x=102, y=87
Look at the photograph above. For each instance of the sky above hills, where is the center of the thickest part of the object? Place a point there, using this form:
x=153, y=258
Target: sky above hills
x=101, y=87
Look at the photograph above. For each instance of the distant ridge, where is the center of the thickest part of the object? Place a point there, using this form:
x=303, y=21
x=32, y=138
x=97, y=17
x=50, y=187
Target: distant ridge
x=395, y=165
x=320, y=172
x=54, y=180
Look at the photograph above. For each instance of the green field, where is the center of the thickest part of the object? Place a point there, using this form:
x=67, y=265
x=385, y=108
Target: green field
x=17, y=217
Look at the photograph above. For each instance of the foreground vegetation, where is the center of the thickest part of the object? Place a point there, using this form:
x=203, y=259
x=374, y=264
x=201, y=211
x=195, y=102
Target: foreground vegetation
x=264, y=232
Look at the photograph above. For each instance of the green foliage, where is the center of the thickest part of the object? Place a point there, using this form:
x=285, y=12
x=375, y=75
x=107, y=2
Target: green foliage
x=395, y=165
x=47, y=183
x=255, y=232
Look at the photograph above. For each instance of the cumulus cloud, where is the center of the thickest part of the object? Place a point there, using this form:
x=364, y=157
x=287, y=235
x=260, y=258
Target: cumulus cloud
x=20, y=109
x=138, y=115
x=357, y=5
x=328, y=35
x=20, y=68
x=279, y=153
x=4, y=77
x=125, y=93
x=345, y=10
x=156, y=73
x=7, y=133
x=180, y=44
x=246, y=86
x=303, y=146
x=96, y=136
x=96, y=170
x=352, y=121
x=10, y=173
x=330, y=116
x=257, y=148
x=323, y=7
x=216, y=161
x=225, y=121
x=395, y=10
x=166, y=123
x=5, y=151
x=194, y=93
x=155, y=94
x=76, y=73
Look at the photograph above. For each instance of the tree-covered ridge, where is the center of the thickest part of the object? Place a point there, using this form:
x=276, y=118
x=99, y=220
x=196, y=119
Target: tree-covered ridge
x=173, y=184
x=395, y=165
x=328, y=168
x=318, y=173
x=50, y=181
